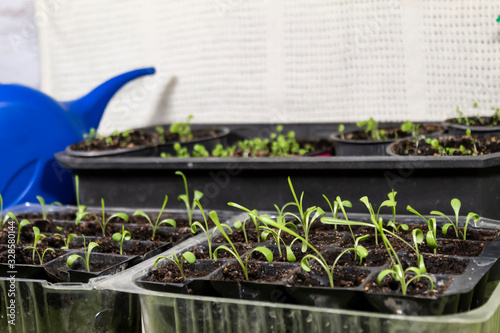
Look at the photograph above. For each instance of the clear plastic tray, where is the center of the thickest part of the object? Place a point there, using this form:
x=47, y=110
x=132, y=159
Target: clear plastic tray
x=115, y=304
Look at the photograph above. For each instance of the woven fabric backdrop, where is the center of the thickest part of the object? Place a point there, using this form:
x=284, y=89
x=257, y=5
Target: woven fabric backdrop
x=275, y=60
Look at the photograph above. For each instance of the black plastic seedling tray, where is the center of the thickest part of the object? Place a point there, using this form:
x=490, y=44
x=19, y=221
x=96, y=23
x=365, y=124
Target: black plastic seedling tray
x=425, y=183
x=459, y=291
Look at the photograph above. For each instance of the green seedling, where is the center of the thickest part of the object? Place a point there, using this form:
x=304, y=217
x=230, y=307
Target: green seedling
x=103, y=222
x=371, y=128
x=359, y=250
x=45, y=211
x=88, y=137
x=180, y=150
x=157, y=222
x=338, y=203
x=244, y=265
x=37, y=236
x=188, y=256
x=461, y=119
x=161, y=134
x=341, y=130
x=411, y=128
x=183, y=129
x=65, y=240
x=242, y=225
x=431, y=236
x=120, y=237
x=200, y=151
x=418, y=237
x=81, y=208
x=456, y=204
x=279, y=240
x=185, y=197
x=306, y=218
x=375, y=218
x=20, y=225
x=398, y=274
x=206, y=229
x=220, y=151
x=251, y=214
x=474, y=151
x=396, y=228
x=72, y=258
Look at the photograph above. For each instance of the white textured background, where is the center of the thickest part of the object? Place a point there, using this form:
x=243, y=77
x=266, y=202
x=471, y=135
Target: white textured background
x=275, y=60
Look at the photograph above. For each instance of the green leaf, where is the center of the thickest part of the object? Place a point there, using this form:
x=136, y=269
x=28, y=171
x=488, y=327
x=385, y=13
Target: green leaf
x=265, y=251
x=289, y=255
x=405, y=227
x=347, y=203
x=418, y=236
x=304, y=263
x=92, y=245
x=117, y=237
x=361, y=251
x=411, y=210
x=141, y=213
x=456, y=204
x=198, y=195
x=183, y=197
x=382, y=275
x=431, y=240
x=221, y=247
x=238, y=224
x=421, y=264
x=123, y=216
x=80, y=216
x=72, y=258
x=189, y=256
x=264, y=235
x=445, y=228
x=127, y=235
x=169, y=221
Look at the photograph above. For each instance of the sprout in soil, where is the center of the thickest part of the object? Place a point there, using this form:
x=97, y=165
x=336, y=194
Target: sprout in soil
x=188, y=256
x=200, y=151
x=279, y=240
x=183, y=129
x=400, y=275
x=371, y=128
x=45, y=211
x=181, y=150
x=253, y=215
x=81, y=208
x=37, y=236
x=119, y=237
x=338, y=203
x=72, y=258
x=409, y=127
x=65, y=240
x=431, y=237
x=341, y=131
x=474, y=148
x=103, y=222
x=456, y=204
x=244, y=265
x=375, y=218
x=220, y=151
x=157, y=222
x=88, y=137
x=306, y=218
x=185, y=197
x=205, y=228
x=20, y=225
x=418, y=237
x=161, y=134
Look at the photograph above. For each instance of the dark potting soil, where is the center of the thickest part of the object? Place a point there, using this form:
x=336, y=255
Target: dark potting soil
x=472, y=234
x=26, y=237
x=477, y=121
x=134, y=139
x=483, y=146
x=375, y=258
x=323, y=239
x=256, y=273
x=421, y=288
x=393, y=132
x=237, y=236
x=436, y=264
x=171, y=274
x=455, y=247
x=344, y=277
x=25, y=256
x=242, y=248
x=197, y=134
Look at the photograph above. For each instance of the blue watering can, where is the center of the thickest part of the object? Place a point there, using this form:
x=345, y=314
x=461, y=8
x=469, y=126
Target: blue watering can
x=34, y=127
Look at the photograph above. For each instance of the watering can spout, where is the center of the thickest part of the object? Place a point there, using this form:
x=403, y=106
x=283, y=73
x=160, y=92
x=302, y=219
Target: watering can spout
x=91, y=106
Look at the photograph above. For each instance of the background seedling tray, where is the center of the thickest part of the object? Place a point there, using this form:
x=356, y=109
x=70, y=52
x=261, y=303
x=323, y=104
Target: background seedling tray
x=423, y=182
